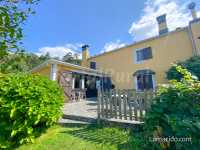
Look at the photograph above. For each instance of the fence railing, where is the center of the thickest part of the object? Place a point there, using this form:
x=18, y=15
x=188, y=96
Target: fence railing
x=124, y=104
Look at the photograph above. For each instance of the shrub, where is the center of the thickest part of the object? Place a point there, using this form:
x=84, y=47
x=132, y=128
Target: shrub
x=192, y=65
x=175, y=113
x=28, y=103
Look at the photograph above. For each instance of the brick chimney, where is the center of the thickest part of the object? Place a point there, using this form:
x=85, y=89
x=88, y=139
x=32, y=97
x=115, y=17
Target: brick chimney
x=162, y=24
x=85, y=55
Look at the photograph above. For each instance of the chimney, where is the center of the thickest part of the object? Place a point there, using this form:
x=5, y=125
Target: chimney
x=191, y=7
x=162, y=24
x=85, y=55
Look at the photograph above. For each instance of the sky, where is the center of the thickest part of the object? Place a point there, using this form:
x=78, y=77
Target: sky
x=62, y=26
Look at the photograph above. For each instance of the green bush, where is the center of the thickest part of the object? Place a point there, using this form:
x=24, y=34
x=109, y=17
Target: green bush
x=28, y=103
x=192, y=65
x=175, y=113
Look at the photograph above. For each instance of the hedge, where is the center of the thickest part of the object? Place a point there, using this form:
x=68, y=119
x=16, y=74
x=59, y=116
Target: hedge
x=28, y=103
x=175, y=114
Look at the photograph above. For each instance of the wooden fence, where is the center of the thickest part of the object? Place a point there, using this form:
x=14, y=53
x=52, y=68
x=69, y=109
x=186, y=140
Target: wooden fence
x=124, y=104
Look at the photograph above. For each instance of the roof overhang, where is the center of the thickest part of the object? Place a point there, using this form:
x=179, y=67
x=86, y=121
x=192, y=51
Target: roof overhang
x=74, y=68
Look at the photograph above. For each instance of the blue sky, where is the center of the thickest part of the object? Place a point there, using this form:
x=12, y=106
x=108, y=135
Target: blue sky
x=60, y=26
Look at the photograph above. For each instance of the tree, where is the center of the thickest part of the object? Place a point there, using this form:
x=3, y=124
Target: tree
x=192, y=65
x=45, y=57
x=13, y=13
x=70, y=58
x=21, y=61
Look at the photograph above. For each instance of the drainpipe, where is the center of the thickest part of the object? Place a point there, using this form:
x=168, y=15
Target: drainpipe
x=191, y=7
x=194, y=48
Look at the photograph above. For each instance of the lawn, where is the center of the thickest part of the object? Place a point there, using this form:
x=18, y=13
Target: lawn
x=81, y=138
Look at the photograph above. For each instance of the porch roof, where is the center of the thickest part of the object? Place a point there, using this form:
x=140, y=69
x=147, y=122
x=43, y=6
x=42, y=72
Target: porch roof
x=75, y=68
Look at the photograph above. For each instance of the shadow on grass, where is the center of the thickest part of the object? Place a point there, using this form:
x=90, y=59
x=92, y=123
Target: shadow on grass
x=99, y=135
x=124, y=139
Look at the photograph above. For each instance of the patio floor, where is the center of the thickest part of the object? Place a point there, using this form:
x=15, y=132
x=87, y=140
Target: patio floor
x=85, y=111
x=84, y=108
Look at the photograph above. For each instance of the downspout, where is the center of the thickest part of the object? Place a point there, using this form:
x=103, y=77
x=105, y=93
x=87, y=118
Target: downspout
x=194, y=48
x=191, y=7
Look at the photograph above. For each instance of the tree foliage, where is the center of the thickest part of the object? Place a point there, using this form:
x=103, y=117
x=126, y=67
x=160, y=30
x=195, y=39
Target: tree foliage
x=13, y=13
x=175, y=113
x=28, y=103
x=20, y=61
x=192, y=65
x=73, y=59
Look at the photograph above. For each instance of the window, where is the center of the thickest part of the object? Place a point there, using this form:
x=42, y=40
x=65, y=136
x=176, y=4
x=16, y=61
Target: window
x=93, y=65
x=144, y=82
x=143, y=54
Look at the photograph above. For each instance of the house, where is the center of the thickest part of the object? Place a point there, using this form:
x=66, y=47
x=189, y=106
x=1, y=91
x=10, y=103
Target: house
x=78, y=82
x=143, y=65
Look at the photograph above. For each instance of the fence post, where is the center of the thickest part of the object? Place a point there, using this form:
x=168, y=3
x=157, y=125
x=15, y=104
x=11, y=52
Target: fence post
x=102, y=104
x=135, y=106
x=129, y=105
x=106, y=103
x=98, y=106
x=111, y=103
x=119, y=100
x=115, y=104
x=125, y=104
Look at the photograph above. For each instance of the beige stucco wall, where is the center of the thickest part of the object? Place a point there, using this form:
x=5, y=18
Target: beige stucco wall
x=61, y=68
x=166, y=50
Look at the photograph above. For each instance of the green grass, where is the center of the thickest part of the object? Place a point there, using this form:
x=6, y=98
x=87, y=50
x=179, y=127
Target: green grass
x=81, y=138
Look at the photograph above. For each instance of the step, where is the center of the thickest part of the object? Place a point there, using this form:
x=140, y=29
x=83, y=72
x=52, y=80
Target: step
x=69, y=121
x=80, y=118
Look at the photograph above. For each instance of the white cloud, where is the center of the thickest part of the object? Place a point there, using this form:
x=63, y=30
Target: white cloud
x=177, y=12
x=112, y=46
x=60, y=51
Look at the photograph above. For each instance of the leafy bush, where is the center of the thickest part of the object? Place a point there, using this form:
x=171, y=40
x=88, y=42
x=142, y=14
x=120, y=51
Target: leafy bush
x=192, y=65
x=28, y=103
x=175, y=113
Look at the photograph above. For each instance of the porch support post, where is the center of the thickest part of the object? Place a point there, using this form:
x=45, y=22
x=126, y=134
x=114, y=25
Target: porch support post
x=73, y=81
x=53, y=73
x=82, y=82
